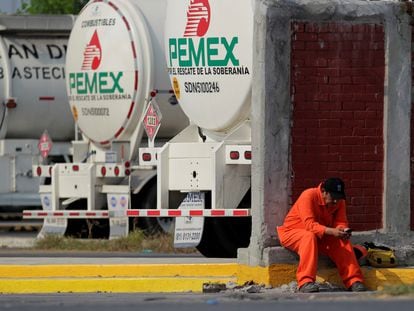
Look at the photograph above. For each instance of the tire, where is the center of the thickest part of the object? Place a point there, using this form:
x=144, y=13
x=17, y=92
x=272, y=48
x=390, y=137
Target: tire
x=86, y=228
x=223, y=236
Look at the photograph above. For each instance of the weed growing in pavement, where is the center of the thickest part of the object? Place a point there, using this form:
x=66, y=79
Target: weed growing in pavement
x=136, y=241
x=399, y=290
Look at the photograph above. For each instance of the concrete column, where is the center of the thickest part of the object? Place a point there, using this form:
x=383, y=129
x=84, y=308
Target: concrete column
x=397, y=117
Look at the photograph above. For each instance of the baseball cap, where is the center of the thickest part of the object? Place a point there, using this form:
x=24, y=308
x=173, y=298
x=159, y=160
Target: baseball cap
x=336, y=188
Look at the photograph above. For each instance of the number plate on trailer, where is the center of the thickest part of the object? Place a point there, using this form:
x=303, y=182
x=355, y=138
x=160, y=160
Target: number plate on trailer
x=189, y=230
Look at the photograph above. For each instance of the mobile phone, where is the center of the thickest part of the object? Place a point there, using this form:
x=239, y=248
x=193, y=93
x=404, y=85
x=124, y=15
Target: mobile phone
x=348, y=230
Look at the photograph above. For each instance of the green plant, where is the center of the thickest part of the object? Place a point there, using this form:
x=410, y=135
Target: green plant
x=136, y=241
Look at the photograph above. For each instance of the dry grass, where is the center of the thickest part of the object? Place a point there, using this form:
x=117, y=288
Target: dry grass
x=136, y=241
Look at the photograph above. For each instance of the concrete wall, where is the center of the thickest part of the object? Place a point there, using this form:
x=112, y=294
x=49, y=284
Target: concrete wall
x=272, y=117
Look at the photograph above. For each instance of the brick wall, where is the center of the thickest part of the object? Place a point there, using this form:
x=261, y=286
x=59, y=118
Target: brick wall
x=337, y=87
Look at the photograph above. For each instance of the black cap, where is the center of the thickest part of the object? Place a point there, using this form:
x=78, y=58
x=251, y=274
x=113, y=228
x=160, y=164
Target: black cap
x=336, y=188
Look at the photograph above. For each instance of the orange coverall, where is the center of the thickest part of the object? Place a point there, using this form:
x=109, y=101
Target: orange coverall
x=303, y=232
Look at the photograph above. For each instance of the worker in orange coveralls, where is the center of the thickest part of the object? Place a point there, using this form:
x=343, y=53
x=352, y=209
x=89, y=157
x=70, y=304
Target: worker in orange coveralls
x=317, y=223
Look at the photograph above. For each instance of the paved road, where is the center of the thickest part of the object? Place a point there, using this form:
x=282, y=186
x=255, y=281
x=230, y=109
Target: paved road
x=201, y=302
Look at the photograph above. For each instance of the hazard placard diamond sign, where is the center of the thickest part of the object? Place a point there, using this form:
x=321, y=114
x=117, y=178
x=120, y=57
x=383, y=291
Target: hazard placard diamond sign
x=45, y=144
x=152, y=119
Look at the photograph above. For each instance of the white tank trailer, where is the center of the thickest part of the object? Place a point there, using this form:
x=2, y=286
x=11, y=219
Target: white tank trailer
x=32, y=99
x=128, y=60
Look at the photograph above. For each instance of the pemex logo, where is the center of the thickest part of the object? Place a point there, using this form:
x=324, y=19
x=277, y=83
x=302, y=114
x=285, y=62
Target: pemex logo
x=195, y=49
x=86, y=82
x=198, y=18
x=92, y=54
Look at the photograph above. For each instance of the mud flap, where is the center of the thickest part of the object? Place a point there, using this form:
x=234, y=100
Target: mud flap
x=51, y=226
x=189, y=230
x=118, y=222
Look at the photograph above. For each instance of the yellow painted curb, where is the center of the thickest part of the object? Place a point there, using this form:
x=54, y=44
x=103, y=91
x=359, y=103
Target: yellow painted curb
x=274, y=275
x=113, y=285
x=117, y=270
x=170, y=277
x=279, y=274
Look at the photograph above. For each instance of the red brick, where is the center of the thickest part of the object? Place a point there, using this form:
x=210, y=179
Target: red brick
x=341, y=166
x=298, y=45
x=341, y=97
x=332, y=88
x=298, y=27
x=335, y=123
x=353, y=123
x=317, y=97
x=339, y=62
x=373, y=157
x=343, y=115
x=356, y=157
x=328, y=72
x=306, y=123
x=330, y=106
x=304, y=36
x=316, y=62
x=340, y=80
x=379, y=28
x=363, y=115
x=311, y=27
x=351, y=140
x=367, y=131
x=373, y=140
x=353, y=106
x=356, y=36
x=370, y=97
x=353, y=88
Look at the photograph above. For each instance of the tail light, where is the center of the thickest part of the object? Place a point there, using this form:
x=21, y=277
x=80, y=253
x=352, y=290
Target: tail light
x=146, y=157
x=234, y=155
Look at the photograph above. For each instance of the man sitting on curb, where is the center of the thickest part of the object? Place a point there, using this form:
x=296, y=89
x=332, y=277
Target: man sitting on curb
x=317, y=223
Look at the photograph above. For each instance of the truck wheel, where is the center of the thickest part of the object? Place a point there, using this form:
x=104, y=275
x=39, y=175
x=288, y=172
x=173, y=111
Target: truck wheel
x=209, y=246
x=223, y=236
x=86, y=228
x=152, y=225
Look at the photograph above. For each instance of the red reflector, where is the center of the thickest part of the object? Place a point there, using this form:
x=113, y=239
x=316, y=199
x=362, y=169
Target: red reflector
x=127, y=172
x=103, y=170
x=116, y=170
x=127, y=164
x=234, y=155
x=75, y=168
x=11, y=103
x=153, y=93
x=39, y=171
x=248, y=155
x=146, y=157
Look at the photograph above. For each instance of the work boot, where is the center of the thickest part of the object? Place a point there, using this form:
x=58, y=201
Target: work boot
x=309, y=287
x=358, y=287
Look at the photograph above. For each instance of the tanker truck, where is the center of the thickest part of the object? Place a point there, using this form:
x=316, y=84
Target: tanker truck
x=135, y=66
x=115, y=68
x=33, y=97
x=208, y=48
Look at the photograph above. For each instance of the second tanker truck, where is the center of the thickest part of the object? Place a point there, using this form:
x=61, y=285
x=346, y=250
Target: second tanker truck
x=33, y=98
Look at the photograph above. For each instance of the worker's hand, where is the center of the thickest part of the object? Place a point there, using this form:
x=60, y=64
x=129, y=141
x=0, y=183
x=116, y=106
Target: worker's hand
x=338, y=232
